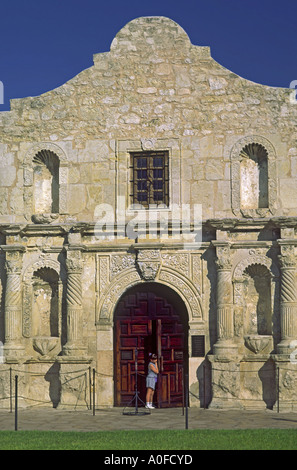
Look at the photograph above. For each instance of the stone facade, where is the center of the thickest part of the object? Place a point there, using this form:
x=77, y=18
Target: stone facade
x=232, y=148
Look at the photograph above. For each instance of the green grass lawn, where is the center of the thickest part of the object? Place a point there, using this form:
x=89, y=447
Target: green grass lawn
x=251, y=439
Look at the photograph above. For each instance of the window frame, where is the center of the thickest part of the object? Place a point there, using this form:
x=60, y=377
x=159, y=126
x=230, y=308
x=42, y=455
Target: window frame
x=152, y=172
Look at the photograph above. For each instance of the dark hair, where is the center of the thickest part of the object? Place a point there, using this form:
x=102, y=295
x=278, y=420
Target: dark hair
x=153, y=356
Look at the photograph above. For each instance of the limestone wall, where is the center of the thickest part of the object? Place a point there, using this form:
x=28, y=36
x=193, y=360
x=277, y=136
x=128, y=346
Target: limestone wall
x=232, y=147
x=152, y=86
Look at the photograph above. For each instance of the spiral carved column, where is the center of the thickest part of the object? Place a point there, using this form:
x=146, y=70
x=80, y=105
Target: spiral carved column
x=288, y=306
x=13, y=305
x=74, y=346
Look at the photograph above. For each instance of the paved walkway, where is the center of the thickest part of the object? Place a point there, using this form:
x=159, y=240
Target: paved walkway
x=113, y=419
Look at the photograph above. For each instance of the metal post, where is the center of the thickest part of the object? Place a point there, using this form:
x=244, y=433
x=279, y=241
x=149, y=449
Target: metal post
x=10, y=386
x=16, y=404
x=136, y=383
x=204, y=385
x=187, y=400
x=94, y=392
x=277, y=391
x=90, y=386
x=183, y=392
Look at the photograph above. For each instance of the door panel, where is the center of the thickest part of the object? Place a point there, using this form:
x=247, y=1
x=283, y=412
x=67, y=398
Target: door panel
x=149, y=323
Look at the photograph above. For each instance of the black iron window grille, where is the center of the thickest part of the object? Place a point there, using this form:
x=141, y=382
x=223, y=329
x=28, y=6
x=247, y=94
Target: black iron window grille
x=150, y=179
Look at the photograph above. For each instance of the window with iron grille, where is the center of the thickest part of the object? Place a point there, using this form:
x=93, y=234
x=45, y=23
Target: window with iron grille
x=149, y=178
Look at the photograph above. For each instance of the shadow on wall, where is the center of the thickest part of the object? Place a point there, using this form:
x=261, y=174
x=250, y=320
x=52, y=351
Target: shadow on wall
x=201, y=390
x=53, y=377
x=267, y=375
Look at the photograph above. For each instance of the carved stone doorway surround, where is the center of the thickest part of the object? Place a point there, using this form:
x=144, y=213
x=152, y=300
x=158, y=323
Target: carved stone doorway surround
x=145, y=265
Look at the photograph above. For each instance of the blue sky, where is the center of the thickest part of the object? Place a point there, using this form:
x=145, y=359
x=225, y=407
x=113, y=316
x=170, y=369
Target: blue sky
x=44, y=43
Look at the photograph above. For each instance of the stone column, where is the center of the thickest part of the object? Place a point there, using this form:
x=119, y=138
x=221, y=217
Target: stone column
x=225, y=366
x=288, y=299
x=13, y=348
x=225, y=323
x=74, y=345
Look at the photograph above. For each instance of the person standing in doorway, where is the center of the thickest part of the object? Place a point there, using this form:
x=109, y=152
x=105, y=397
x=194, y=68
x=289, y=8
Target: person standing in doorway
x=151, y=380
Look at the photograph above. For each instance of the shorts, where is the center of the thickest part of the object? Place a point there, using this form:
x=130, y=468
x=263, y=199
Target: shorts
x=150, y=382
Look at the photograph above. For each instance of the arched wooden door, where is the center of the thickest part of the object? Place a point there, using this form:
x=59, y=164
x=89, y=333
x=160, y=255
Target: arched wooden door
x=150, y=318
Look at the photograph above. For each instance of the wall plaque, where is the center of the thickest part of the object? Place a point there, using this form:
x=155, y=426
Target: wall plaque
x=198, y=346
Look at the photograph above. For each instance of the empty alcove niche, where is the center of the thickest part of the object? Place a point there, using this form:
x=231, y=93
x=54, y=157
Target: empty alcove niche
x=253, y=177
x=45, y=309
x=258, y=317
x=46, y=182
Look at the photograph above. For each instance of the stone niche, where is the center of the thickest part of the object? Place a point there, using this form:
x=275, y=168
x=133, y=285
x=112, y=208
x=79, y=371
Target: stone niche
x=46, y=182
x=257, y=319
x=256, y=289
x=257, y=371
x=46, y=312
x=253, y=177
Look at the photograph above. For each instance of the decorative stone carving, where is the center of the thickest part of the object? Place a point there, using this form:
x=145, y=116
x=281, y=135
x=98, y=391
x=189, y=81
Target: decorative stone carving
x=44, y=345
x=287, y=259
x=288, y=298
x=44, y=218
x=223, y=260
x=197, y=271
x=130, y=277
x=13, y=306
x=102, y=273
x=148, y=262
x=122, y=282
x=178, y=261
x=185, y=289
x=225, y=383
x=257, y=343
x=121, y=262
x=225, y=322
x=38, y=147
x=74, y=346
x=43, y=261
x=148, y=144
x=254, y=259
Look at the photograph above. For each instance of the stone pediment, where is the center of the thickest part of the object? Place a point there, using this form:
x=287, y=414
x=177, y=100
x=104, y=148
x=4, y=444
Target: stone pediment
x=151, y=33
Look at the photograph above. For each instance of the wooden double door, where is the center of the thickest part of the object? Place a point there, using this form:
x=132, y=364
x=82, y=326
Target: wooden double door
x=149, y=320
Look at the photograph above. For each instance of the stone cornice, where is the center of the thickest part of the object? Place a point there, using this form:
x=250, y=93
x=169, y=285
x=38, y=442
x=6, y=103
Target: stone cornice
x=11, y=248
x=87, y=228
